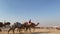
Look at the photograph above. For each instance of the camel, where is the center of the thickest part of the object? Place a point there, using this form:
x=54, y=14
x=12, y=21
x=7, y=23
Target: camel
x=1, y=24
x=14, y=26
x=6, y=23
x=58, y=28
x=32, y=25
x=29, y=25
x=25, y=26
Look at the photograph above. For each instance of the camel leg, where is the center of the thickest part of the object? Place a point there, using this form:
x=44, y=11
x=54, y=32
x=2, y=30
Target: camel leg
x=26, y=29
x=13, y=31
x=30, y=29
x=33, y=29
x=9, y=30
x=19, y=29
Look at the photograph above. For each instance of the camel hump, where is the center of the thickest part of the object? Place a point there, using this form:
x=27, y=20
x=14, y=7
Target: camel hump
x=18, y=24
x=25, y=22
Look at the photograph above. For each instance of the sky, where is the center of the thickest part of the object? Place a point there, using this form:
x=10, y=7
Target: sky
x=46, y=12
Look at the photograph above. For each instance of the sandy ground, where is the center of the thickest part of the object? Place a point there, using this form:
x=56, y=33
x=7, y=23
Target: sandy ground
x=37, y=31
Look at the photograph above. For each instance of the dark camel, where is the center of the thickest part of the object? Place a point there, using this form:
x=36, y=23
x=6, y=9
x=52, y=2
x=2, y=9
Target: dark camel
x=14, y=26
x=3, y=25
x=6, y=23
x=30, y=25
x=33, y=25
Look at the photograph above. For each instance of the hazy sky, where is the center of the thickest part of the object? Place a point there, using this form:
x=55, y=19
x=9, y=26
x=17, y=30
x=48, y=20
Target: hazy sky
x=47, y=12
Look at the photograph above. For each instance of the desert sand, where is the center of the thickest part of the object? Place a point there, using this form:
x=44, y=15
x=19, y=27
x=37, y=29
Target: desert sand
x=37, y=31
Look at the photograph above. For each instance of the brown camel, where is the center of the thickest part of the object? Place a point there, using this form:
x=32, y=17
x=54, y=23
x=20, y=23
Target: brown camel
x=58, y=28
x=30, y=25
x=33, y=25
x=26, y=26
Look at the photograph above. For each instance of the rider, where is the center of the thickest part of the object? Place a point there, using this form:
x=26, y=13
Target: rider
x=29, y=22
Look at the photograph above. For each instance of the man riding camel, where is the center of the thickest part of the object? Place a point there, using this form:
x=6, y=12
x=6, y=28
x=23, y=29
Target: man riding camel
x=29, y=23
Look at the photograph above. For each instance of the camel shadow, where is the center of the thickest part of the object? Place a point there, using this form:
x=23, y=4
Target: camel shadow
x=30, y=33
x=35, y=33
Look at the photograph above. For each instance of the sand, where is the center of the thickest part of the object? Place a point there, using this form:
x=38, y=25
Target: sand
x=37, y=31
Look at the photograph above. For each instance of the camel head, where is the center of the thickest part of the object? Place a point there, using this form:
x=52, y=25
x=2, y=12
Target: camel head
x=38, y=23
x=35, y=24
